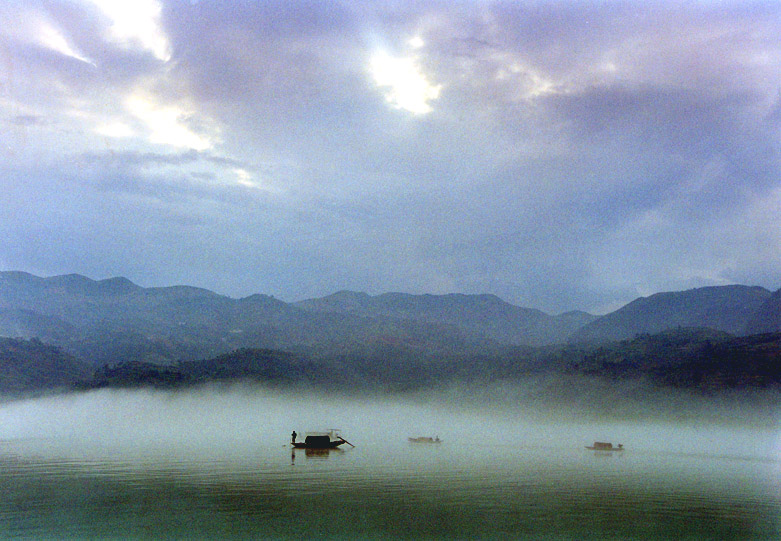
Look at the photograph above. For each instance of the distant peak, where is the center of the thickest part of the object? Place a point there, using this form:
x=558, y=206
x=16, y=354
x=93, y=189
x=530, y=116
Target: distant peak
x=347, y=294
x=116, y=285
x=117, y=280
x=260, y=298
x=69, y=279
x=344, y=300
x=188, y=291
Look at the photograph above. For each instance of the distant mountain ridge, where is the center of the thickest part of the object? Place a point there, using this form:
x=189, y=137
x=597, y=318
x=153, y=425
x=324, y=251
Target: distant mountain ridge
x=114, y=320
x=723, y=308
x=486, y=314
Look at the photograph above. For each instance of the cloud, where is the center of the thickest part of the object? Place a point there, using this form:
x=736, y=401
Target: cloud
x=167, y=124
x=560, y=154
x=137, y=24
x=55, y=40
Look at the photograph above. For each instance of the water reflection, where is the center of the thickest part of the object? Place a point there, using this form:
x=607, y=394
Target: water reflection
x=384, y=491
x=607, y=454
x=315, y=454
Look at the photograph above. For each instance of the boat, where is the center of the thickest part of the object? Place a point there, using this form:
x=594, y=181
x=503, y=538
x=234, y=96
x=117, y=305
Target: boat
x=425, y=439
x=329, y=439
x=604, y=446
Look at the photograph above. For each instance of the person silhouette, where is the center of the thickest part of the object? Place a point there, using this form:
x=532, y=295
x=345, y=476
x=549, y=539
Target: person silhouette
x=294, y=435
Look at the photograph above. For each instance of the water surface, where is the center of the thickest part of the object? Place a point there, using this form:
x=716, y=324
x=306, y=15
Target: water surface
x=187, y=466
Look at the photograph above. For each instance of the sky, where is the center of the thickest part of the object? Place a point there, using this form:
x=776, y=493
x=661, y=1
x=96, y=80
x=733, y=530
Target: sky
x=559, y=154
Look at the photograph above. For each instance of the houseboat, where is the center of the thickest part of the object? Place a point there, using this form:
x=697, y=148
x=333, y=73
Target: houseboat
x=605, y=446
x=425, y=439
x=329, y=439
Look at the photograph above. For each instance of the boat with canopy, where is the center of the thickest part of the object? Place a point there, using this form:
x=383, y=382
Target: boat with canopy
x=328, y=439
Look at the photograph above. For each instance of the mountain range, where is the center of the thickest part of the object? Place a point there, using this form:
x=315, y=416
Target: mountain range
x=114, y=320
x=733, y=309
x=475, y=315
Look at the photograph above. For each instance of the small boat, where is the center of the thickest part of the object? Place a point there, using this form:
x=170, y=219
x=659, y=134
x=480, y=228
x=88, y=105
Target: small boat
x=330, y=439
x=604, y=446
x=425, y=439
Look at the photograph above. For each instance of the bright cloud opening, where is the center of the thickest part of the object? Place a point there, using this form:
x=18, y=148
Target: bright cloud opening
x=244, y=178
x=167, y=124
x=137, y=22
x=416, y=42
x=406, y=87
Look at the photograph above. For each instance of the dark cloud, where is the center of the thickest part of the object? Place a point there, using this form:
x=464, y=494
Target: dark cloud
x=26, y=120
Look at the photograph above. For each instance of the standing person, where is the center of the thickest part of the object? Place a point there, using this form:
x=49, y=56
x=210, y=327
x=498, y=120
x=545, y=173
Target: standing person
x=294, y=435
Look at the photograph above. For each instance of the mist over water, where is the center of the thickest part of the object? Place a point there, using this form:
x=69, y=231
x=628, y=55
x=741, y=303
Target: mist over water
x=223, y=417
x=216, y=462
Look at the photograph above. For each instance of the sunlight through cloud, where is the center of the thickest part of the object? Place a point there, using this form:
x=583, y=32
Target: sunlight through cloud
x=244, y=178
x=406, y=87
x=167, y=124
x=416, y=42
x=137, y=22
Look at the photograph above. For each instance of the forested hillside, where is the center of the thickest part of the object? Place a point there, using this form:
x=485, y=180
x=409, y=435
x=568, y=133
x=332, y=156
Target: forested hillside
x=30, y=365
x=695, y=359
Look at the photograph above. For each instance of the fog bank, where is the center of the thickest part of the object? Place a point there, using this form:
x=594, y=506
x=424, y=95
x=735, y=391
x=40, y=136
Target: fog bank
x=241, y=418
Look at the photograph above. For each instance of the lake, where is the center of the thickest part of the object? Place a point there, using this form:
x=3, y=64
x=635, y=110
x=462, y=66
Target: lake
x=218, y=464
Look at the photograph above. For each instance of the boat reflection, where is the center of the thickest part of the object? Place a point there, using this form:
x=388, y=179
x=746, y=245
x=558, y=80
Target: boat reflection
x=321, y=453
x=315, y=454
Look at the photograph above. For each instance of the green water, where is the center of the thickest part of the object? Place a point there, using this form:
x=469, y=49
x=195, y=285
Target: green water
x=193, y=467
x=449, y=490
